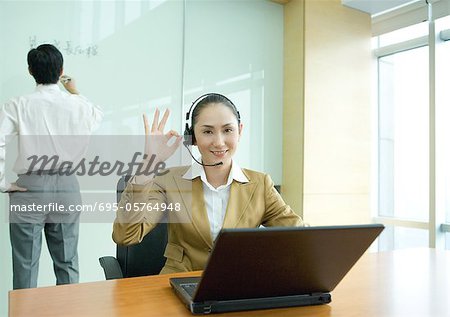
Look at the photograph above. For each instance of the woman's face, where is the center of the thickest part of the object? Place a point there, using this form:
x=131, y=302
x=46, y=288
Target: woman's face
x=217, y=134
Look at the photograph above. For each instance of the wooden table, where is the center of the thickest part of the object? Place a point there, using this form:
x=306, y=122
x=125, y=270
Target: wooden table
x=408, y=283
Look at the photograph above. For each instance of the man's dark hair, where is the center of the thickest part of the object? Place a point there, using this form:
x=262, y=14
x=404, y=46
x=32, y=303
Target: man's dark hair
x=45, y=63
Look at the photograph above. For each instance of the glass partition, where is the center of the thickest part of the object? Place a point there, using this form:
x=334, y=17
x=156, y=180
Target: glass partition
x=130, y=57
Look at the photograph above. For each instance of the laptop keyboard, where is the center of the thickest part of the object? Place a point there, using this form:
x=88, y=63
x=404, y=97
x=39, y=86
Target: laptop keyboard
x=189, y=288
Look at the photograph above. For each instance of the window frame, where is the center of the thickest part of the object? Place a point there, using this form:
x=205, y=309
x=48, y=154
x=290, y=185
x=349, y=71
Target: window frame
x=436, y=225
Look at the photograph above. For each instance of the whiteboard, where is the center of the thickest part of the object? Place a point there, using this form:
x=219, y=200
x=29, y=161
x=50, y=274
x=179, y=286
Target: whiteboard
x=130, y=57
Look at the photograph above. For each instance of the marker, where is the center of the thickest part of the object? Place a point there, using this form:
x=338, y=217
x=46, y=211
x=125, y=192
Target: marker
x=65, y=79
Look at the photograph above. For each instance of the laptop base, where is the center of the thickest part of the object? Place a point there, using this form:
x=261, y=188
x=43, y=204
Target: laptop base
x=222, y=306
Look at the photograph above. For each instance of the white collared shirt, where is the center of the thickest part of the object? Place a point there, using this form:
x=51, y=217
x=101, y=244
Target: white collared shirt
x=48, y=111
x=216, y=199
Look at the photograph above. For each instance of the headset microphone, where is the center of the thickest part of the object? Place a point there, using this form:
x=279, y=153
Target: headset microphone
x=215, y=164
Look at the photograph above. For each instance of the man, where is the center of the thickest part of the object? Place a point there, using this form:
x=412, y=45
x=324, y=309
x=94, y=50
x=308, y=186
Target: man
x=42, y=122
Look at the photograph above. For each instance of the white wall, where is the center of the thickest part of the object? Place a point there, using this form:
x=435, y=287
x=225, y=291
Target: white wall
x=230, y=47
x=337, y=114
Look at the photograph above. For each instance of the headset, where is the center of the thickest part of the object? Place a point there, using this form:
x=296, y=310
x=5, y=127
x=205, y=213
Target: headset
x=188, y=134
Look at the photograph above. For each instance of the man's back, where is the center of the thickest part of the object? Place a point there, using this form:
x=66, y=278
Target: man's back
x=50, y=111
x=44, y=120
x=46, y=123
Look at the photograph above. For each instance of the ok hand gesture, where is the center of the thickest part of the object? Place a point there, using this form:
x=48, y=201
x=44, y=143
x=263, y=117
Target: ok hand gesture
x=156, y=142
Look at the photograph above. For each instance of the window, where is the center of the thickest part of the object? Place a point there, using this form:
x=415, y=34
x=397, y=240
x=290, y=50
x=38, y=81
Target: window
x=404, y=34
x=442, y=125
x=403, y=134
x=404, y=143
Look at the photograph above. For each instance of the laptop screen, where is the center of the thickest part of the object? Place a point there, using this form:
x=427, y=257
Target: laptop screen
x=267, y=262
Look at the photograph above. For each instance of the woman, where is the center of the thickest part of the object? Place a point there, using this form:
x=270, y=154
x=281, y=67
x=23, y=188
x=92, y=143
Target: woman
x=203, y=197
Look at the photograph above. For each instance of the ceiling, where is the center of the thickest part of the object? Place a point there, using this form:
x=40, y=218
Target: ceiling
x=375, y=6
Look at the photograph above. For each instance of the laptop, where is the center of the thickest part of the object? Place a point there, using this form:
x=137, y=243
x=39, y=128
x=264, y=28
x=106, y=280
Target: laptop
x=274, y=267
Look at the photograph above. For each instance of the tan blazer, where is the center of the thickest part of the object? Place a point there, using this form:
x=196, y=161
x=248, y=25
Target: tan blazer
x=189, y=238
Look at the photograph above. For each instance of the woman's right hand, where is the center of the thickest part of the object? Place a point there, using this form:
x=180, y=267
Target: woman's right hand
x=156, y=142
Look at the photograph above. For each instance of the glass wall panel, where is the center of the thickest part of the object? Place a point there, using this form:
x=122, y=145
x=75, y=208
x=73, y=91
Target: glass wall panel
x=442, y=122
x=236, y=48
x=404, y=34
x=126, y=56
x=130, y=57
x=403, y=135
x=447, y=241
x=393, y=238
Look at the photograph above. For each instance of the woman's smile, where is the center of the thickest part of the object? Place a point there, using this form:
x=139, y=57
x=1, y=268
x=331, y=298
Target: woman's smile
x=219, y=154
x=217, y=132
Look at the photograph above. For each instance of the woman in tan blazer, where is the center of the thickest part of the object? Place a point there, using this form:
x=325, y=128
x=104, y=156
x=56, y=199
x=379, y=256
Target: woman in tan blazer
x=201, y=199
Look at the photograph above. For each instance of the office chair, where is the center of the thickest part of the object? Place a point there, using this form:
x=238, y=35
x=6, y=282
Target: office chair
x=145, y=258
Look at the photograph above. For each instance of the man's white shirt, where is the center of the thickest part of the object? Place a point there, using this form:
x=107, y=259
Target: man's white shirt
x=44, y=121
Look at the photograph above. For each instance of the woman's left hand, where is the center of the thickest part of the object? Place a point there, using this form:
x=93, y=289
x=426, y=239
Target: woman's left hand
x=157, y=146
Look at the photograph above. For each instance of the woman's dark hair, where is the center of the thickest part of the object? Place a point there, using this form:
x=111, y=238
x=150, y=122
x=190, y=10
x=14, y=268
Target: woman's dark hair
x=211, y=99
x=45, y=63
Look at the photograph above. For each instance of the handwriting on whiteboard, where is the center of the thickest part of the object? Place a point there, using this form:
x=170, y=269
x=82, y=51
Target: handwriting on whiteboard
x=67, y=47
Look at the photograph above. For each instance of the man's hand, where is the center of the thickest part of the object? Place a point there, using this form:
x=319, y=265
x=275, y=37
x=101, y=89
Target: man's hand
x=69, y=83
x=14, y=188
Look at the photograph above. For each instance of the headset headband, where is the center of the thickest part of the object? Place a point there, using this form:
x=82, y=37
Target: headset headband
x=199, y=99
x=188, y=134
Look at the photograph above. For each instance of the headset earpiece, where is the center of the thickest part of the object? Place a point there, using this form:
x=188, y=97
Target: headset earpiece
x=187, y=136
x=193, y=136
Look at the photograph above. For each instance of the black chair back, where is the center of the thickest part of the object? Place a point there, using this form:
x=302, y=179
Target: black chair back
x=147, y=257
